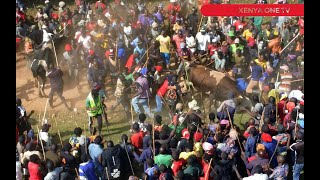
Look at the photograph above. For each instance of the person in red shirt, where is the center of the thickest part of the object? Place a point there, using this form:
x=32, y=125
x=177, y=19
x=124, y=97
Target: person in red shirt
x=137, y=137
x=20, y=16
x=281, y=106
x=205, y=164
x=177, y=163
x=34, y=168
x=131, y=62
x=251, y=124
x=213, y=47
x=174, y=6
x=160, y=93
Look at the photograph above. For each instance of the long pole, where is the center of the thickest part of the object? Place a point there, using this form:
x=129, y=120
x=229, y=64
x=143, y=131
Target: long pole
x=44, y=154
x=236, y=130
x=58, y=131
x=200, y=23
x=55, y=53
x=45, y=110
x=125, y=147
x=289, y=43
x=207, y=174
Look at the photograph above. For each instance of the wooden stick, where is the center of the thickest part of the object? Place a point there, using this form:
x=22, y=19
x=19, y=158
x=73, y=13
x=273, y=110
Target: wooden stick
x=45, y=110
x=107, y=172
x=148, y=101
x=58, y=132
x=125, y=147
x=297, y=80
x=289, y=43
x=166, y=105
x=295, y=126
x=44, y=154
x=209, y=167
x=196, y=132
x=131, y=114
x=55, y=53
x=85, y=142
x=236, y=130
x=116, y=55
x=274, y=151
x=77, y=173
x=208, y=135
x=153, y=141
x=200, y=23
x=204, y=110
x=210, y=63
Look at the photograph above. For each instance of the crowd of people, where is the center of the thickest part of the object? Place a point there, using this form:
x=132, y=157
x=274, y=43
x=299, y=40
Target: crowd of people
x=143, y=52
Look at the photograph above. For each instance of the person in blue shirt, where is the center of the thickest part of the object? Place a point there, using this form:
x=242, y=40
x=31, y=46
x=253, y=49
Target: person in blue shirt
x=256, y=73
x=86, y=169
x=146, y=153
x=241, y=83
x=250, y=146
x=139, y=48
x=153, y=170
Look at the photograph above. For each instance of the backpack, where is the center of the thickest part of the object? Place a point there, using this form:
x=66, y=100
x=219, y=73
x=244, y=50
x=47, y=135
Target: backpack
x=112, y=162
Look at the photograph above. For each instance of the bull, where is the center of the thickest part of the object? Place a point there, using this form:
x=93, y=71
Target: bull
x=216, y=84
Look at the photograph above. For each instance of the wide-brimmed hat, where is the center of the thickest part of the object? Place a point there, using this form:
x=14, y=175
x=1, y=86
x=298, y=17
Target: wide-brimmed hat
x=193, y=105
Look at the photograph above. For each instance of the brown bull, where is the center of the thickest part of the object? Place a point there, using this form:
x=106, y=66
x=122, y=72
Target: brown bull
x=216, y=84
x=205, y=80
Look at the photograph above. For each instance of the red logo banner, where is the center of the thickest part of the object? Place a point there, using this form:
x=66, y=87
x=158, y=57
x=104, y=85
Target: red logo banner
x=253, y=10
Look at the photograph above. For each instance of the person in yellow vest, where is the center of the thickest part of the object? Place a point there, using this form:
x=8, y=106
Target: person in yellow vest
x=95, y=107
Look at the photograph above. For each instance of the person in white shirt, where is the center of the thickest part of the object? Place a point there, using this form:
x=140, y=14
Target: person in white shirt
x=258, y=175
x=44, y=135
x=203, y=40
x=191, y=42
x=297, y=93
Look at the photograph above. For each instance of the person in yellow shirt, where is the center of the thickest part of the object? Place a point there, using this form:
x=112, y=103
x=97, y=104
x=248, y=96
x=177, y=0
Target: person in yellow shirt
x=248, y=32
x=261, y=62
x=188, y=151
x=164, y=41
x=177, y=26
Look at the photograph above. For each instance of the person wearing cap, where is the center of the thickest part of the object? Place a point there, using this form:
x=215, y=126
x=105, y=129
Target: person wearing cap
x=213, y=46
x=71, y=62
x=164, y=40
x=233, y=49
x=173, y=5
x=202, y=39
